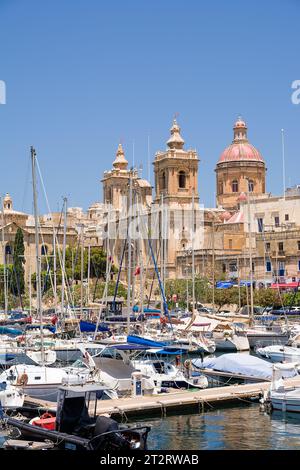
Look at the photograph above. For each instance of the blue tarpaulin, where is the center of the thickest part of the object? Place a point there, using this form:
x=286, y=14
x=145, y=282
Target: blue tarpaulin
x=224, y=284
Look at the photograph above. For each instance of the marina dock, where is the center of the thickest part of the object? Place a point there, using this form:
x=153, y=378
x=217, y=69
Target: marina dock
x=179, y=401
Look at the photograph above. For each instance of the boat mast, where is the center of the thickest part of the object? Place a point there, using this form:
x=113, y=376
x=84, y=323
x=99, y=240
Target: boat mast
x=4, y=261
x=88, y=275
x=250, y=257
x=162, y=246
x=63, y=282
x=82, y=263
x=213, y=262
x=129, y=254
x=140, y=247
x=37, y=251
x=54, y=269
x=193, y=251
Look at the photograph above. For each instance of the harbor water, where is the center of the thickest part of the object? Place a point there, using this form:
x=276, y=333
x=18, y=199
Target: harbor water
x=239, y=427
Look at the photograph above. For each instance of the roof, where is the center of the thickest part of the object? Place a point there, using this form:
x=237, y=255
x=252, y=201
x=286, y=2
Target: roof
x=237, y=218
x=143, y=183
x=242, y=151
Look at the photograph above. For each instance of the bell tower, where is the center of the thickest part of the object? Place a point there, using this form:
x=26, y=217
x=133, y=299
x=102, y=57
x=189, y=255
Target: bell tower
x=176, y=171
x=176, y=187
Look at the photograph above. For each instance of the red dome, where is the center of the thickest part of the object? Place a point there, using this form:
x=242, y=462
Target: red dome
x=242, y=151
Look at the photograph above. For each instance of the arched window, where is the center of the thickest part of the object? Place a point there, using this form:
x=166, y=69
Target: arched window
x=235, y=186
x=251, y=186
x=182, y=179
x=44, y=250
x=220, y=187
x=8, y=250
x=163, y=180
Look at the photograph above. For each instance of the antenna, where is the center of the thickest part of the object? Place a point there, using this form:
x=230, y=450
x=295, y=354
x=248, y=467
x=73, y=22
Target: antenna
x=283, y=161
x=141, y=170
x=133, y=154
x=148, y=158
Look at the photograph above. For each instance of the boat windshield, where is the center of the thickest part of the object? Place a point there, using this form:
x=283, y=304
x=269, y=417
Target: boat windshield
x=79, y=364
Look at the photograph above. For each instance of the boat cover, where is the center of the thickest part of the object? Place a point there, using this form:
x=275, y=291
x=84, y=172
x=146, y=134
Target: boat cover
x=145, y=341
x=243, y=364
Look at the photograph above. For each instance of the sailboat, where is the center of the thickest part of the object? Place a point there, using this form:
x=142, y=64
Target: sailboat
x=39, y=380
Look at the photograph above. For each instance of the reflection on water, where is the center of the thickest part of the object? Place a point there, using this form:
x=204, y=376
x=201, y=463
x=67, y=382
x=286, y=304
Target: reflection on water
x=238, y=428
x=242, y=427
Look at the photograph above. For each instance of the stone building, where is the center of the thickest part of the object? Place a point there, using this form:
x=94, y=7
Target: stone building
x=239, y=168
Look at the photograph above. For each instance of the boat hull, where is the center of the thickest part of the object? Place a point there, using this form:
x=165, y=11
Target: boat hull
x=263, y=340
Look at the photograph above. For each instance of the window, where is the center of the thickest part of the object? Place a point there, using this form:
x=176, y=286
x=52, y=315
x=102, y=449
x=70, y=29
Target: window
x=298, y=244
x=230, y=243
x=268, y=266
x=44, y=250
x=181, y=179
x=8, y=250
x=299, y=265
x=260, y=222
x=280, y=246
x=281, y=267
x=268, y=246
x=251, y=186
x=253, y=266
x=221, y=188
x=286, y=217
x=233, y=267
x=235, y=186
x=277, y=222
x=224, y=268
x=163, y=180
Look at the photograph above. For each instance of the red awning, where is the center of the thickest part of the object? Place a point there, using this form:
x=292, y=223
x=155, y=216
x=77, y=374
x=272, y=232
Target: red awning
x=288, y=285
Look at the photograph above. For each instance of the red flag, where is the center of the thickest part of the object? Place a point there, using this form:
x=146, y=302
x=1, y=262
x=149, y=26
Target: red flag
x=137, y=271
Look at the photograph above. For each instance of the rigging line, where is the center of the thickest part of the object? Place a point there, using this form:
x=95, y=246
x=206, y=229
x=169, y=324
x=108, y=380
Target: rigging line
x=68, y=290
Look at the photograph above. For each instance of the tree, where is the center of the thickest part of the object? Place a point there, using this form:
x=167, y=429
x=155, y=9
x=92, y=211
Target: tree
x=18, y=284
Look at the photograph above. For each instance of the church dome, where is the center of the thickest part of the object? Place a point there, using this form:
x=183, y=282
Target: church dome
x=240, y=150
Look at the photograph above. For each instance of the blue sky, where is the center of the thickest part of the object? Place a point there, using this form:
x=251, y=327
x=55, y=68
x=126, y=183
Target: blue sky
x=83, y=74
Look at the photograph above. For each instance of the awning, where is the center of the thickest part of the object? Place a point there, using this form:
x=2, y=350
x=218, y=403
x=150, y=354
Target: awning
x=287, y=285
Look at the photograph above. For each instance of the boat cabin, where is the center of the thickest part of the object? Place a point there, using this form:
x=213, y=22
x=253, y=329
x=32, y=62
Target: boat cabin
x=114, y=306
x=77, y=406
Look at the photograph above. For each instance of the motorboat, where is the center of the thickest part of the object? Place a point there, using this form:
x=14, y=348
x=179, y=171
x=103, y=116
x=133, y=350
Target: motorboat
x=237, y=368
x=77, y=425
x=280, y=396
x=116, y=370
x=279, y=353
x=167, y=375
x=42, y=382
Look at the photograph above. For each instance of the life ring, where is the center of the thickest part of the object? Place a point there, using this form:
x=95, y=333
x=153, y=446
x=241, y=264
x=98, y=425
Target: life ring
x=23, y=379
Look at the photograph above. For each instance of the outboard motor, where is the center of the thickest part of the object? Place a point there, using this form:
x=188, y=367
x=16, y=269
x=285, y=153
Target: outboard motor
x=106, y=435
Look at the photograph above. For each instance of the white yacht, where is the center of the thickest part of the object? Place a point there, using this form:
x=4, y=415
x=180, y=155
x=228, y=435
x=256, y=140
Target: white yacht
x=167, y=375
x=280, y=396
x=279, y=353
